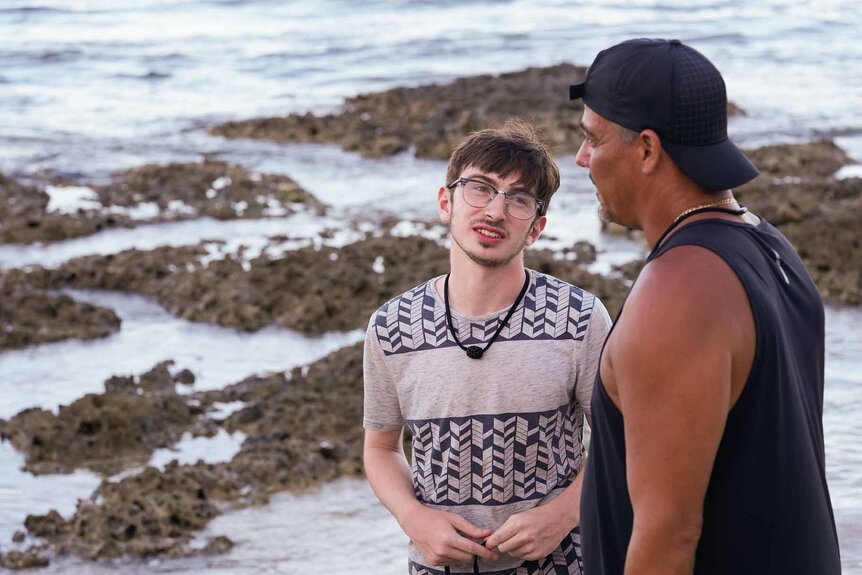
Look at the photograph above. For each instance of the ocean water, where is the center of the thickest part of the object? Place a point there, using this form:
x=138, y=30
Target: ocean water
x=92, y=86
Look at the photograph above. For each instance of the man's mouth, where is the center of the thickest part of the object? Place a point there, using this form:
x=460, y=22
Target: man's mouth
x=489, y=232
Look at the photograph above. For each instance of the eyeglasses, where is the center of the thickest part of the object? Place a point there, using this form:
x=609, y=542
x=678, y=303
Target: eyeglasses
x=519, y=205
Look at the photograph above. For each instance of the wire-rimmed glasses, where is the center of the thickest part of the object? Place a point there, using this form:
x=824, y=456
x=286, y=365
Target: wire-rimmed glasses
x=519, y=205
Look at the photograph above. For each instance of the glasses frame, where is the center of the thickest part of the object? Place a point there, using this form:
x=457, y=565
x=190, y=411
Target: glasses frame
x=540, y=204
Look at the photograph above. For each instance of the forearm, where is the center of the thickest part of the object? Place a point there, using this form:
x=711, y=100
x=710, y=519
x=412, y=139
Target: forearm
x=389, y=476
x=662, y=548
x=567, y=506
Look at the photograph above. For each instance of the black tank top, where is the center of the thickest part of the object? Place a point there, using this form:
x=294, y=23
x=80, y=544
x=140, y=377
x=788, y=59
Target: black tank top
x=767, y=508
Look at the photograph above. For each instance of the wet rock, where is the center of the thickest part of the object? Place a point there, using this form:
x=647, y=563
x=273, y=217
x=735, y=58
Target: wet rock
x=24, y=217
x=48, y=526
x=29, y=317
x=433, y=119
x=313, y=290
x=209, y=188
x=150, y=194
x=18, y=537
x=812, y=160
x=307, y=429
x=104, y=432
x=29, y=559
x=185, y=377
x=820, y=215
x=153, y=513
x=216, y=546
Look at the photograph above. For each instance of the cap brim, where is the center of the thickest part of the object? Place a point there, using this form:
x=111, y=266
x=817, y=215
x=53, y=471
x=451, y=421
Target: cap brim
x=576, y=91
x=715, y=167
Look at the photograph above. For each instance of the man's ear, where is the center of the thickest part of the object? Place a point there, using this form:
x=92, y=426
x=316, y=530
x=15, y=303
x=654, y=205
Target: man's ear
x=444, y=204
x=651, y=151
x=536, y=229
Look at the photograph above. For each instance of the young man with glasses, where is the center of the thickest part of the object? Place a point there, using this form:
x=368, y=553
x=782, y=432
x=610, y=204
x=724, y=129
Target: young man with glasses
x=491, y=368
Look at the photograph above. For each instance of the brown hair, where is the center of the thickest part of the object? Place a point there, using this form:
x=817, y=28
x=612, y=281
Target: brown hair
x=515, y=146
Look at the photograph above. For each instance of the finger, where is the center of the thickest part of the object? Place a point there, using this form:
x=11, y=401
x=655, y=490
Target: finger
x=454, y=555
x=466, y=528
x=506, y=531
x=474, y=548
x=516, y=541
x=517, y=548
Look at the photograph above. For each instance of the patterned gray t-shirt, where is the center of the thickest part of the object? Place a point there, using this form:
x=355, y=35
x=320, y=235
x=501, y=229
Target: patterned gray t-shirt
x=494, y=436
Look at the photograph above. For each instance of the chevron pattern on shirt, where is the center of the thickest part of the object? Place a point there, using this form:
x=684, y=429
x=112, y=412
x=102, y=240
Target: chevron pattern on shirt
x=495, y=459
x=552, y=309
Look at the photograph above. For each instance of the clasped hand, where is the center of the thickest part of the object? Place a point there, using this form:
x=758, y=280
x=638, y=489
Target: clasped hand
x=444, y=538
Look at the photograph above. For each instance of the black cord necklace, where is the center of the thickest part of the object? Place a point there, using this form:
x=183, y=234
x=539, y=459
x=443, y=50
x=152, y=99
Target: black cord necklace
x=691, y=213
x=474, y=351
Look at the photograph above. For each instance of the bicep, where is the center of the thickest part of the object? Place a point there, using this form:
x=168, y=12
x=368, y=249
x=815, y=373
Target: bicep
x=672, y=366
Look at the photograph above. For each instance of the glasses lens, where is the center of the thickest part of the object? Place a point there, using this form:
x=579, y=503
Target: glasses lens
x=478, y=194
x=521, y=206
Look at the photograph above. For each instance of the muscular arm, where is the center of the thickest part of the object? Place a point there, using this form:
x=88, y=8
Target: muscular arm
x=672, y=360
x=441, y=537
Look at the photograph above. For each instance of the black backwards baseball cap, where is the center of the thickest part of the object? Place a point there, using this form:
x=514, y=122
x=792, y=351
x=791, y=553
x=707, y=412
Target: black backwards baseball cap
x=672, y=89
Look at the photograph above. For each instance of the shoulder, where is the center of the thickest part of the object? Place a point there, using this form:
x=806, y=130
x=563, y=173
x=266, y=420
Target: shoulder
x=563, y=292
x=416, y=297
x=687, y=291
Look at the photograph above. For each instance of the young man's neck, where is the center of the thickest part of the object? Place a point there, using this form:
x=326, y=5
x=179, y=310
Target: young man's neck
x=476, y=290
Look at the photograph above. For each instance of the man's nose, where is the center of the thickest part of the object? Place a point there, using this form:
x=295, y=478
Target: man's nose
x=583, y=157
x=496, y=208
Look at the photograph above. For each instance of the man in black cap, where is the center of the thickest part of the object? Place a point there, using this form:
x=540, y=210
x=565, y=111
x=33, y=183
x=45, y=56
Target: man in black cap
x=707, y=452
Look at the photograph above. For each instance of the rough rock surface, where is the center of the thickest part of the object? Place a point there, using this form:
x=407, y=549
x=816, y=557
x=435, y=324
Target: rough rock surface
x=820, y=215
x=24, y=217
x=310, y=290
x=105, y=432
x=29, y=317
x=27, y=559
x=302, y=427
x=152, y=513
x=211, y=188
x=434, y=118
x=176, y=191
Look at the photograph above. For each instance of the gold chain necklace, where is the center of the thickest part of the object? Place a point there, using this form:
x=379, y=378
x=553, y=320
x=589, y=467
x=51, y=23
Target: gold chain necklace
x=723, y=202
x=712, y=206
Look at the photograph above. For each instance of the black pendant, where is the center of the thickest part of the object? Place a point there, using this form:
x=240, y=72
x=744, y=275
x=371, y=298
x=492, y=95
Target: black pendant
x=474, y=352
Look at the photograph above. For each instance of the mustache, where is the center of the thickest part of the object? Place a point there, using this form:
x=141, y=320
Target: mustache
x=496, y=223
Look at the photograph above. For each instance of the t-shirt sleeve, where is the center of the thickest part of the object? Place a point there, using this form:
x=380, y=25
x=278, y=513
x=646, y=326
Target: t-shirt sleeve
x=382, y=411
x=591, y=351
